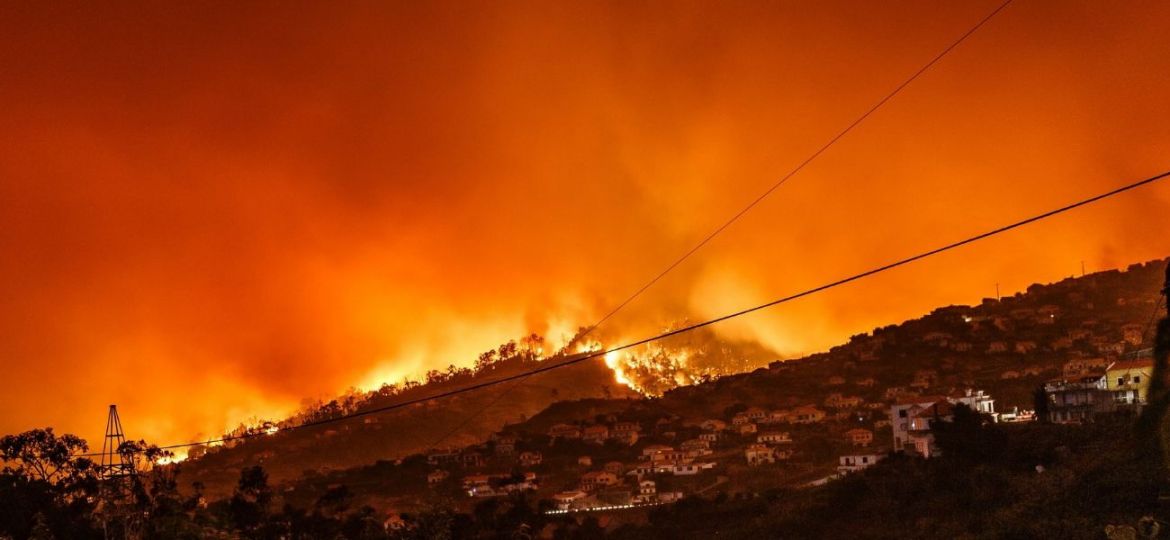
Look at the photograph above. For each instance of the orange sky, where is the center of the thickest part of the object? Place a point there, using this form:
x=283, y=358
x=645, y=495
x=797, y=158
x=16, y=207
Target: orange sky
x=212, y=212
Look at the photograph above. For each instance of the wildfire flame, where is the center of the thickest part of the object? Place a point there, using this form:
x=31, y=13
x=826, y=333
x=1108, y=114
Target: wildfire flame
x=176, y=457
x=655, y=368
x=612, y=360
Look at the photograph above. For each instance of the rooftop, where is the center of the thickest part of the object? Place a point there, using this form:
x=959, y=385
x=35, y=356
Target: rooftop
x=1138, y=363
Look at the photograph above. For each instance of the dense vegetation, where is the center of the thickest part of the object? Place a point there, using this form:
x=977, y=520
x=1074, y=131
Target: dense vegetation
x=993, y=481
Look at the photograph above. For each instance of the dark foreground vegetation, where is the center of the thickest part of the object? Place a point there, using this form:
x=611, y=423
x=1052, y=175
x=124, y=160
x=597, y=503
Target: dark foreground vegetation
x=1106, y=479
x=994, y=481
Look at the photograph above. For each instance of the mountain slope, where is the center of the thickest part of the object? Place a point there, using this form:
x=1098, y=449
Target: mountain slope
x=452, y=422
x=1006, y=346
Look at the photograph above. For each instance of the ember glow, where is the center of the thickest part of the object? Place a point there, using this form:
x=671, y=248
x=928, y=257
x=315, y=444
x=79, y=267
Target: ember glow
x=172, y=459
x=613, y=360
x=208, y=215
x=690, y=358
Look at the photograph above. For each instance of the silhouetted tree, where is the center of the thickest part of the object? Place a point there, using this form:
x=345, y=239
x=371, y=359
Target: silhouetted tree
x=435, y=523
x=435, y=376
x=41, y=530
x=1154, y=424
x=1040, y=404
x=734, y=409
x=507, y=351
x=364, y=525
x=590, y=529
x=968, y=437
x=46, y=489
x=40, y=455
x=335, y=501
x=532, y=347
x=485, y=361
x=248, y=506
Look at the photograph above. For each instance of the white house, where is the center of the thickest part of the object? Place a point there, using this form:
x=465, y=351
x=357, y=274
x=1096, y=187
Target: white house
x=911, y=416
x=978, y=401
x=859, y=437
x=568, y=499
x=774, y=437
x=902, y=414
x=857, y=462
x=758, y=454
x=596, y=479
x=686, y=469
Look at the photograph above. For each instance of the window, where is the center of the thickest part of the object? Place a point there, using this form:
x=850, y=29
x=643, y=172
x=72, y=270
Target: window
x=1137, y=379
x=1120, y=381
x=902, y=413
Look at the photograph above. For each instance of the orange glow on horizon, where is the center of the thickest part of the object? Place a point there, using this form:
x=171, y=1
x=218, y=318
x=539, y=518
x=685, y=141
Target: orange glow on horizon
x=208, y=216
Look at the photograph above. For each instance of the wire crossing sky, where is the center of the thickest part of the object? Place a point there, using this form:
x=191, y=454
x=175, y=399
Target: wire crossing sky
x=267, y=205
x=830, y=285
x=589, y=330
x=800, y=166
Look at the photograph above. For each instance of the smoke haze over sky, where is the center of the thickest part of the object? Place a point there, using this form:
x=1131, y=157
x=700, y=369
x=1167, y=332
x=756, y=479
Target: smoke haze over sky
x=212, y=212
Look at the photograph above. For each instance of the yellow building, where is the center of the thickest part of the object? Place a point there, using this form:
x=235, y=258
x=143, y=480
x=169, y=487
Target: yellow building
x=1129, y=380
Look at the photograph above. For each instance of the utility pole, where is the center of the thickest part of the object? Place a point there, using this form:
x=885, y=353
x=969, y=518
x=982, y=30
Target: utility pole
x=997, y=297
x=1082, y=268
x=114, y=464
x=117, y=473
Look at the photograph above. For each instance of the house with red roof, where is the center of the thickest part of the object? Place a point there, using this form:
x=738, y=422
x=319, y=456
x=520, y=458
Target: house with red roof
x=859, y=437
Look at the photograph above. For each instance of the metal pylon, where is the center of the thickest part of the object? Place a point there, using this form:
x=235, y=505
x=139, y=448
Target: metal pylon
x=117, y=473
x=114, y=464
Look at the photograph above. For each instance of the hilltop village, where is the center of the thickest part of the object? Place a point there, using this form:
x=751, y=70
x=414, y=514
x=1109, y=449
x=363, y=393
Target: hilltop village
x=1023, y=407
x=1070, y=352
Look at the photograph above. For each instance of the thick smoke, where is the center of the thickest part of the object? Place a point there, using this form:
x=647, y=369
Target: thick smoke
x=210, y=214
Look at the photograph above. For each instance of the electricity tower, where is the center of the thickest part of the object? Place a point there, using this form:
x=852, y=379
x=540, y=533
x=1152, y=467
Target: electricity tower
x=115, y=465
x=118, y=474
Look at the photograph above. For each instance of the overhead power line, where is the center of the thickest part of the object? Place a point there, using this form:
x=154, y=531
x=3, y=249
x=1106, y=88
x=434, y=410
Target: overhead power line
x=833, y=140
x=468, y=419
x=783, y=179
x=821, y=288
x=812, y=157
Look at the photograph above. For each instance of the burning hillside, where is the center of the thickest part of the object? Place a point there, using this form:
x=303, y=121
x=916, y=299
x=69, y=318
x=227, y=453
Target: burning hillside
x=649, y=370
x=698, y=356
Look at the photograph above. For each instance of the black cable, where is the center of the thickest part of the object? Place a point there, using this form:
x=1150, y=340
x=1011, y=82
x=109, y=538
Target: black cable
x=774, y=186
x=475, y=414
x=597, y=354
x=802, y=165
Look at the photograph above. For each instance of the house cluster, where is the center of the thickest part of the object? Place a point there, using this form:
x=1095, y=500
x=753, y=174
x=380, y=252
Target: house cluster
x=619, y=484
x=500, y=452
x=1089, y=387
x=622, y=432
x=755, y=433
x=645, y=492
x=495, y=485
x=770, y=447
x=913, y=416
x=857, y=462
x=662, y=459
x=901, y=377
x=750, y=420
